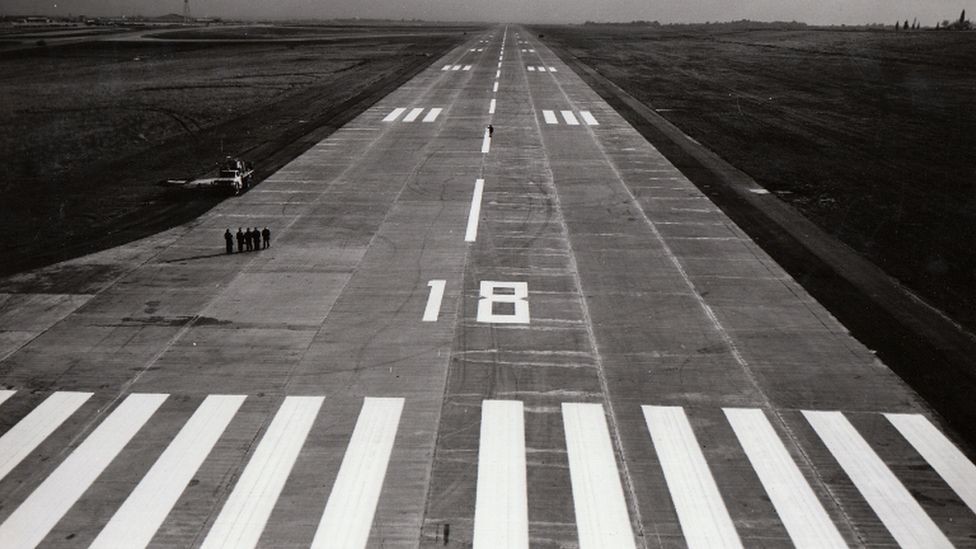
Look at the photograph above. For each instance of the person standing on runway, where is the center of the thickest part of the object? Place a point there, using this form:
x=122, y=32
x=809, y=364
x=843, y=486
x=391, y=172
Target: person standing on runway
x=229, y=241
x=248, y=243
x=240, y=240
x=266, y=235
x=491, y=130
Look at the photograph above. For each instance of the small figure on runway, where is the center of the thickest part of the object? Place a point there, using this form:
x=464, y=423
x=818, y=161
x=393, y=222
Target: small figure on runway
x=240, y=240
x=266, y=235
x=248, y=242
x=229, y=241
x=491, y=130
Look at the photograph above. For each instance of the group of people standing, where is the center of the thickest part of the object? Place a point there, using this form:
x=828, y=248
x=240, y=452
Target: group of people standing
x=251, y=239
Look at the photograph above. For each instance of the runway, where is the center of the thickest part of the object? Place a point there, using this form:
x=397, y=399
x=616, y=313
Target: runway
x=539, y=336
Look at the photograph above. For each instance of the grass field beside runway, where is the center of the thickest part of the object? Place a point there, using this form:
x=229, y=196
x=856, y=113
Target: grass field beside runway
x=869, y=134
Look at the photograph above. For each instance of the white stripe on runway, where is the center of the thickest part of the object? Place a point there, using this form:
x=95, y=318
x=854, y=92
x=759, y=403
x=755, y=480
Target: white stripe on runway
x=957, y=471
x=531, y=68
x=552, y=69
x=456, y=68
x=446, y=68
x=805, y=519
x=602, y=521
x=501, y=512
x=349, y=512
x=894, y=505
x=540, y=69
x=588, y=118
x=246, y=511
x=394, y=114
x=4, y=395
x=137, y=520
x=412, y=115
x=498, y=74
x=531, y=50
x=29, y=432
x=491, y=107
x=475, y=213
x=432, y=114
x=486, y=143
x=570, y=118
x=495, y=87
x=550, y=117
x=704, y=519
x=467, y=67
x=32, y=520
x=433, y=308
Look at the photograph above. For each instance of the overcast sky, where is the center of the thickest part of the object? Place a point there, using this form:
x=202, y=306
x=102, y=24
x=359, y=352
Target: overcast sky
x=810, y=11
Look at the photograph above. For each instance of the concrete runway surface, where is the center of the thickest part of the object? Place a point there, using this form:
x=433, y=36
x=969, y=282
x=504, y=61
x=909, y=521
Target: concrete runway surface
x=543, y=338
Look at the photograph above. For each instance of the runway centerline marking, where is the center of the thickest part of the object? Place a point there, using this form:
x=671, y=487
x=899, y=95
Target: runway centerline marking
x=601, y=511
x=491, y=107
x=412, y=115
x=494, y=88
x=804, y=517
x=394, y=114
x=570, y=118
x=135, y=523
x=434, y=298
x=501, y=512
x=550, y=117
x=474, y=214
x=486, y=143
x=29, y=432
x=891, y=501
x=958, y=472
x=246, y=511
x=704, y=519
x=349, y=512
x=498, y=74
x=32, y=520
x=432, y=114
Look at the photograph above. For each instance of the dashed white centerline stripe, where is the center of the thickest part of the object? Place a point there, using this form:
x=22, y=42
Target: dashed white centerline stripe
x=588, y=118
x=432, y=114
x=495, y=87
x=501, y=513
x=957, y=471
x=601, y=512
x=890, y=500
x=412, y=115
x=570, y=118
x=805, y=519
x=475, y=213
x=29, y=432
x=432, y=311
x=486, y=142
x=491, y=107
x=394, y=114
x=348, y=515
x=498, y=74
x=137, y=520
x=32, y=520
x=246, y=511
x=550, y=117
x=704, y=519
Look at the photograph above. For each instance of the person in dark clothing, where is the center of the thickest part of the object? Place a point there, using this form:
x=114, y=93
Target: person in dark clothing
x=240, y=240
x=229, y=241
x=256, y=235
x=248, y=243
x=266, y=235
x=491, y=130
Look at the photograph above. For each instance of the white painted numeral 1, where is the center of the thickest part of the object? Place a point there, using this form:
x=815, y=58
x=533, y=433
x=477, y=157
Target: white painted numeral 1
x=518, y=298
x=434, y=300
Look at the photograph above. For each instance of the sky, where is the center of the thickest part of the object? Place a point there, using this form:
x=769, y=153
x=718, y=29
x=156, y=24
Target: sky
x=526, y=11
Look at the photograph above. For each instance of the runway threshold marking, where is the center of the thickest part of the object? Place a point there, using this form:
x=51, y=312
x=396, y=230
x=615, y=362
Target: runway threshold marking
x=349, y=512
x=957, y=471
x=491, y=107
x=601, y=511
x=244, y=515
x=704, y=519
x=467, y=67
x=446, y=68
x=456, y=68
x=32, y=520
x=29, y=432
x=587, y=117
x=434, y=298
x=552, y=69
x=531, y=68
x=486, y=143
x=394, y=114
x=550, y=117
x=474, y=214
x=501, y=513
x=804, y=517
x=432, y=114
x=570, y=118
x=891, y=501
x=413, y=114
x=136, y=521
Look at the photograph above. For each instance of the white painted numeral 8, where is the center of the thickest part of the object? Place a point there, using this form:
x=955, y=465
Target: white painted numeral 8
x=518, y=298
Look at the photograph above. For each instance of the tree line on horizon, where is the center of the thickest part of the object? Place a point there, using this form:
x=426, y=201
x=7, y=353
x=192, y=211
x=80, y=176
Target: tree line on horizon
x=960, y=24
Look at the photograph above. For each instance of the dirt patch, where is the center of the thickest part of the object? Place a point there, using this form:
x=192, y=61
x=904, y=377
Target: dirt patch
x=88, y=131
